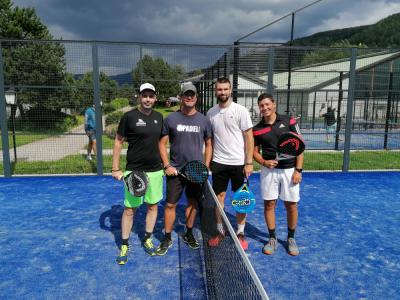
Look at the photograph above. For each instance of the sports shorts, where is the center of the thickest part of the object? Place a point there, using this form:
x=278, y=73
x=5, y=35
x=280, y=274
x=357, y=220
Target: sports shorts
x=91, y=133
x=221, y=174
x=154, y=192
x=277, y=184
x=176, y=185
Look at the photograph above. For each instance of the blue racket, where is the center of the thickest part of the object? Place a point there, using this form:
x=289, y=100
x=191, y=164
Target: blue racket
x=195, y=171
x=243, y=200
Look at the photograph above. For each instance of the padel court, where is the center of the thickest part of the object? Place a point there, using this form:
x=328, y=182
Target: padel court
x=60, y=237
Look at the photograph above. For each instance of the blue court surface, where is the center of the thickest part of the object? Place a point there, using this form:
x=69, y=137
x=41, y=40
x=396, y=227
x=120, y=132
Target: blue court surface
x=60, y=237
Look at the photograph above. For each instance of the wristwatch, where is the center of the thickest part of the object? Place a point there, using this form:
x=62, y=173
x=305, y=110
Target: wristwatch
x=298, y=170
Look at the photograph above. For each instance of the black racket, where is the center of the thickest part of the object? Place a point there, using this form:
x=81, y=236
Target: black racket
x=290, y=145
x=195, y=171
x=136, y=183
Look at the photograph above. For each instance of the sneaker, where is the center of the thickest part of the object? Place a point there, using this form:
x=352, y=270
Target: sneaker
x=162, y=249
x=270, y=247
x=123, y=255
x=148, y=247
x=214, y=242
x=191, y=241
x=242, y=241
x=89, y=157
x=292, y=247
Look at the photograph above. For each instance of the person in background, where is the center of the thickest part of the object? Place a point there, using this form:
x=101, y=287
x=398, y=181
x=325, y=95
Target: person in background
x=330, y=121
x=90, y=130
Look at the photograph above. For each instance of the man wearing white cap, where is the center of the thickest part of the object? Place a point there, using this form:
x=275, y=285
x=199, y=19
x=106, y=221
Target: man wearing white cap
x=141, y=128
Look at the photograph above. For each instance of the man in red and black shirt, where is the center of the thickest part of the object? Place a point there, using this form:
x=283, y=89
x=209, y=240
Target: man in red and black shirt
x=278, y=179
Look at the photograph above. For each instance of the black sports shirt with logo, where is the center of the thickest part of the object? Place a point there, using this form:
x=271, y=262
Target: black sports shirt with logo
x=142, y=133
x=266, y=137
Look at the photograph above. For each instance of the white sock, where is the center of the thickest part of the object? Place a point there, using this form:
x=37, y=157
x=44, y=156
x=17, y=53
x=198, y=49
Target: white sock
x=220, y=228
x=240, y=228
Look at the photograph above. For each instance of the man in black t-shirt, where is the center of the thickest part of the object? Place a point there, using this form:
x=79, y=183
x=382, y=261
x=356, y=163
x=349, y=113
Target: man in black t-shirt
x=141, y=128
x=330, y=122
x=278, y=179
x=187, y=131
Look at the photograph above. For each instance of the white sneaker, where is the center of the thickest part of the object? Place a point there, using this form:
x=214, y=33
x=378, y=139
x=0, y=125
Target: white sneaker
x=89, y=157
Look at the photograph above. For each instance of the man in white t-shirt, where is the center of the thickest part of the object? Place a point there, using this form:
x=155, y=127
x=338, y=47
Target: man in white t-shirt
x=233, y=145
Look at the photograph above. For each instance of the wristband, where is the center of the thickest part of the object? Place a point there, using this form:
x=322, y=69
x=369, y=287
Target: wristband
x=167, y=166
x=115, y=170
x=248, y=164
x=298, y=170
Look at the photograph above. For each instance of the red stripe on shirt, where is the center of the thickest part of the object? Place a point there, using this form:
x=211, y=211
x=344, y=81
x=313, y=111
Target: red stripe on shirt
x=292, y=121
x=262, y=131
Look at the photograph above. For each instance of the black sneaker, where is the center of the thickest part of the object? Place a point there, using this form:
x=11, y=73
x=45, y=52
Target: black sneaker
x=191, y=241
x=162, y=249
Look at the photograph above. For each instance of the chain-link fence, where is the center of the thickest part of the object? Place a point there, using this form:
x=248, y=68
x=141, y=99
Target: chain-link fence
x=46, y=86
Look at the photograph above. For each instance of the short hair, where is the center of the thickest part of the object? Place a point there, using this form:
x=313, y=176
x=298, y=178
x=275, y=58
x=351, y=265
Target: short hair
x=265, y=96
x=223, y=80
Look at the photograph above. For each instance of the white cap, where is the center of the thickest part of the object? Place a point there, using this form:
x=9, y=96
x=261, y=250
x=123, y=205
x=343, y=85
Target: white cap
x=147, y=86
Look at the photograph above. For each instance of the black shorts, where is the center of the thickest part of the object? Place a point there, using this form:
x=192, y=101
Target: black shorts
x=176, y=185
x=221, y=174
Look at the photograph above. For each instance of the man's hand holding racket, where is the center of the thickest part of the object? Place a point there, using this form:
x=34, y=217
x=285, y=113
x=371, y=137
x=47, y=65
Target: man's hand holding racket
x=117, y=174
x=171, y=171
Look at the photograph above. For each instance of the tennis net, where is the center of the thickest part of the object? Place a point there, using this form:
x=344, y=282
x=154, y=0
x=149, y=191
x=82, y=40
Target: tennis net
x=228, y=271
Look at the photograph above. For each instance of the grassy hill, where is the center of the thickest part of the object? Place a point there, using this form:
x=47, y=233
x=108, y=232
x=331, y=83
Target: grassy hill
x=383, y=34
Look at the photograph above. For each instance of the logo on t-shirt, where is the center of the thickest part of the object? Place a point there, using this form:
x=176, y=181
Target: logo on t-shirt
x=282, y=126
x=140, y=122
x=187, y=128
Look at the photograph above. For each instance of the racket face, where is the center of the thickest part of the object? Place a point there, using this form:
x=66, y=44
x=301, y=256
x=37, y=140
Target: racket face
x=290, y=144
x=196, y=171
x=243, y=200
x=136, y=183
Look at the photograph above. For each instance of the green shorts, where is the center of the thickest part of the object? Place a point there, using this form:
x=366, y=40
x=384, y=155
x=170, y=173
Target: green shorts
x=154, y=193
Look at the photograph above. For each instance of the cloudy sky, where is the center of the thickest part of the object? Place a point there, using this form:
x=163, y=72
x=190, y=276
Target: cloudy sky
x=202, y=21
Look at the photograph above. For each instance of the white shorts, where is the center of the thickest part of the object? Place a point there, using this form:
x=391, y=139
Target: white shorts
x=277, y=183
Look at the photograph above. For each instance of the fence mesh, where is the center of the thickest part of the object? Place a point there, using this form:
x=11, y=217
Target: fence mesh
x=49, y=84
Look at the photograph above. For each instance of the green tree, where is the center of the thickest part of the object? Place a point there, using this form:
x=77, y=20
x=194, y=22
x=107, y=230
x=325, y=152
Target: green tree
x=32, y=68
x=337, y=50
x=165, y=77
x=83, y=89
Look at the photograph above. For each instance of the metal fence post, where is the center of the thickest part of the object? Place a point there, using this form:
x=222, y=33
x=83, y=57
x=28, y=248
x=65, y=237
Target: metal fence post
x=99, y=114
x=3, y=122
x=349, y=111
x=271, y=61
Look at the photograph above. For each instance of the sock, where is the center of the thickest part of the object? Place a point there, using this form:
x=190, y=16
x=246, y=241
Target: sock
x=220, y=228
x=125, y=242
x=188, y=230
x=291, y=233
x=272, y=234
x=168, y=236
x=240, y=229
x=147, y=235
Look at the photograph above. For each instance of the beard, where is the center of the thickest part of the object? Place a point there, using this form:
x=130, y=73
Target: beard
x=223, y=98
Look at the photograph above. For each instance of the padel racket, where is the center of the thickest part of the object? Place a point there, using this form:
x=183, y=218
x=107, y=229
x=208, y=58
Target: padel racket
x=195, y=171
x=290, y=145
x=136, y=183
x=243, y=200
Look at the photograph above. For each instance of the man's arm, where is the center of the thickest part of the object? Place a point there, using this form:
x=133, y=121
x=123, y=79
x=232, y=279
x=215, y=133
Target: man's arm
x=162, y=146
x=296, y=178
x=249, y=151
x=115, y=171
x=208, y=152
